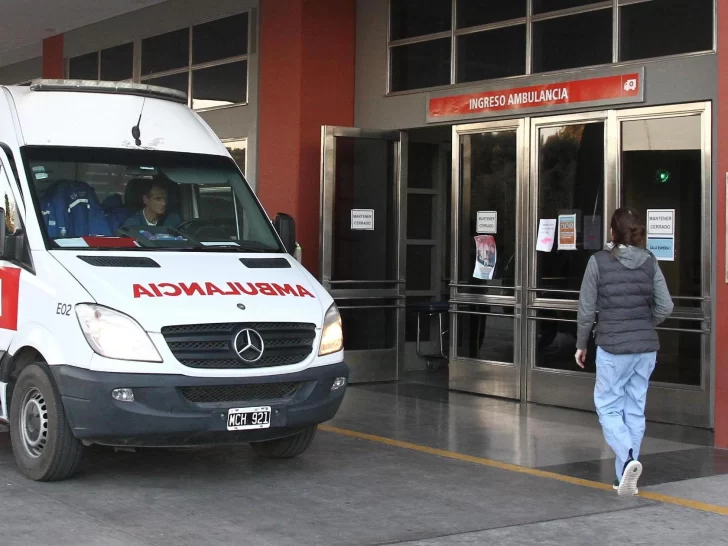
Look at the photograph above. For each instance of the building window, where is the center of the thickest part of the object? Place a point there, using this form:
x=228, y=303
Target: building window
x=208, y=62
x=583, y=39
x=238, y=149
x=497, y=53
x=435, y=43
x=665, y=27
x=421, y=64
x=111, y=64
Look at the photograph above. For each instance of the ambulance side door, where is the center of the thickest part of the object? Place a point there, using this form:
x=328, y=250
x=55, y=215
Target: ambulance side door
x=10, y=259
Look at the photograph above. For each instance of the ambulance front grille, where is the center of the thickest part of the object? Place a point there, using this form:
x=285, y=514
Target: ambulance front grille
x=261, y=392
x=210, y=346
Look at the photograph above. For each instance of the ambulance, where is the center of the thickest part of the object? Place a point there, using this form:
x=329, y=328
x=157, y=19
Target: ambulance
x=147, y=300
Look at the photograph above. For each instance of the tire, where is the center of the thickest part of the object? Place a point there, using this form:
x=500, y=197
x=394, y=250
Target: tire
x=286, y=448
x=44, y=446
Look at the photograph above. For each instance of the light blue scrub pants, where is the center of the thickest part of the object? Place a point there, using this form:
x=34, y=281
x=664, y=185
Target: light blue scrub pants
x=620, y=395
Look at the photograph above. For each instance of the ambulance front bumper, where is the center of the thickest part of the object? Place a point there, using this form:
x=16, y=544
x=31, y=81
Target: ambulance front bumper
x=175, y=410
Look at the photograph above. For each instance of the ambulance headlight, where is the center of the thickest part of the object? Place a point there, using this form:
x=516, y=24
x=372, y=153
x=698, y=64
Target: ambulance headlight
x=115, y=335
x=332, y=336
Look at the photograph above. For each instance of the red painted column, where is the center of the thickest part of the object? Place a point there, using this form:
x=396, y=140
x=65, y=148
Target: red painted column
x=307, y=55
x=721, y=314
x=53, y=67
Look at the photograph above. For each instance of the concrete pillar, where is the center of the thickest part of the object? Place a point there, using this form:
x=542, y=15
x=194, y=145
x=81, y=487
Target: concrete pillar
x=307, y=55
x=53, y=66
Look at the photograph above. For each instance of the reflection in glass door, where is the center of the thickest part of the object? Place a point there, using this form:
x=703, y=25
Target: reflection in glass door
x=569, y=175
x=485, y=355
x=362, y=258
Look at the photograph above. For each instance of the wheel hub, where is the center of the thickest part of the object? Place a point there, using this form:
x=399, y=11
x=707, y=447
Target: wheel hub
x=34, y=423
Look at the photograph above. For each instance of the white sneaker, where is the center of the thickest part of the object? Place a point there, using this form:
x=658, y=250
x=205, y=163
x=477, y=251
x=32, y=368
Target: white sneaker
x=615, y=486
x=630, y=476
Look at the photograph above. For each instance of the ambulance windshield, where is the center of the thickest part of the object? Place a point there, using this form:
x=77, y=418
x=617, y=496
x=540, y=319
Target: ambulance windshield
x=100, y=198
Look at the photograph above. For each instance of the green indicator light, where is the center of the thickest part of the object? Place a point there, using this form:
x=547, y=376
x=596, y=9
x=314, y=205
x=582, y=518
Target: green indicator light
x=662, y=175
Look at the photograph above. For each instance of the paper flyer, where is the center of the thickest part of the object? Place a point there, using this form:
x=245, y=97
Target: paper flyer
x=662, y=247
x=545, y=237
x=485, y=257
x=567, y=232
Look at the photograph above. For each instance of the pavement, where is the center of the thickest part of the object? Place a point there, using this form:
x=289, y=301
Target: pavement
x=400, y=464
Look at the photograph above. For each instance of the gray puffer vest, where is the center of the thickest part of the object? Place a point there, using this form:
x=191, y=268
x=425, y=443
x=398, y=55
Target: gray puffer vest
x=624, y=323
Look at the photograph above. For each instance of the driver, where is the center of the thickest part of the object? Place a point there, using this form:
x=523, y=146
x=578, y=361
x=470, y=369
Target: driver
x=155, y=208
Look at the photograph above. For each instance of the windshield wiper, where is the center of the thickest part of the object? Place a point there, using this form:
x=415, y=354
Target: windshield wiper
x=224, y=248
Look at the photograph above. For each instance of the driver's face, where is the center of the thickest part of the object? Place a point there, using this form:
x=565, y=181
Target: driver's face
x=156, y=201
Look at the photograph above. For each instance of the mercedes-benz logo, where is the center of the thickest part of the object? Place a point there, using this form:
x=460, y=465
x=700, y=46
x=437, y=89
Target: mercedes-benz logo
x=249, y=346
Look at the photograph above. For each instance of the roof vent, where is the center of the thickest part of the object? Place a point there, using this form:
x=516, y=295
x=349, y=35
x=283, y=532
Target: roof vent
x=266, y=263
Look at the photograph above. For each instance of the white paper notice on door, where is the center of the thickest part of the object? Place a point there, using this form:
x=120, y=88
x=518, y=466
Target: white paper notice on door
x=487, y=222
x=661, y=223
x=362, y=219
x=545, y=237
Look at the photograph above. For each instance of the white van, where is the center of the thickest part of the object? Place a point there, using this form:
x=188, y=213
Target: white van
x=147, y=299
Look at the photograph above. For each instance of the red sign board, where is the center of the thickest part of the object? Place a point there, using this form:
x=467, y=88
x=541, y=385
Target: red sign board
x=592, y=90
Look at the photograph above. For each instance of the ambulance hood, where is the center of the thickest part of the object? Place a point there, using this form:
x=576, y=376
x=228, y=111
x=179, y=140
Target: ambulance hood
x=176, y=288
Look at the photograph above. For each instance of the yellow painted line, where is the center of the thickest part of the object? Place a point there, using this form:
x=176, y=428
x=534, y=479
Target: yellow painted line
x=658, y=497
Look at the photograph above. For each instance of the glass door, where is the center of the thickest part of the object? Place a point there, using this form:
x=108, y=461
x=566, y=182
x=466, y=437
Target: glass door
x=485, y=293
x=362, y=235
x=568, y=218
x=664, y=167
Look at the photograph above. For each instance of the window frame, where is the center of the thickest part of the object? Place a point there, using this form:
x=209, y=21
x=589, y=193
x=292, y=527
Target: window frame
x=454, y=33
x=191, y=68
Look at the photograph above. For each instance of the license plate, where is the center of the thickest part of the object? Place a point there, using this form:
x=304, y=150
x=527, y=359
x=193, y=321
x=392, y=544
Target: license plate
x=248, y=418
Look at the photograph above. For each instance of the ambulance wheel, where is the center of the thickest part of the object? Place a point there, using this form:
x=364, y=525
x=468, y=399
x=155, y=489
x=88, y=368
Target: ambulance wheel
x=44, y=446
x=286, y=448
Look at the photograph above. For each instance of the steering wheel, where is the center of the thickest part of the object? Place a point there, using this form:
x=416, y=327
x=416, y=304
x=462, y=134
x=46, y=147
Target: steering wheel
x=203, y=229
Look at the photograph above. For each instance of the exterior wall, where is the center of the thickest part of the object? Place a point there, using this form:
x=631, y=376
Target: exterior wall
x=53, y=63
x=21, y=72
x=307, y=80
x=667, y=81
x=233, y=122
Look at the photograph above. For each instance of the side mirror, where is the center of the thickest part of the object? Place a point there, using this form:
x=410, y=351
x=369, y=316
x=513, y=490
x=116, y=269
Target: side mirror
x=286, y=227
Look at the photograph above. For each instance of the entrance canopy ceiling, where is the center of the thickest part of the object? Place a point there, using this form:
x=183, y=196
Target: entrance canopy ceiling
x=25, y=23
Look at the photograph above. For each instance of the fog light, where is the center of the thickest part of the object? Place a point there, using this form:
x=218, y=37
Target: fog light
x=338, y=383
x=123, y=395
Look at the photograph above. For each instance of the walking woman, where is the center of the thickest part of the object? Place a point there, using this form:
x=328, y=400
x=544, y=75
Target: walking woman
x=624, y=285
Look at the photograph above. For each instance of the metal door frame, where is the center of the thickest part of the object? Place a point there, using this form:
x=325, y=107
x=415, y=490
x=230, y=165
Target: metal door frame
x=542, y=385
x=369, y=365
x=468, y=374
x=666, y=401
